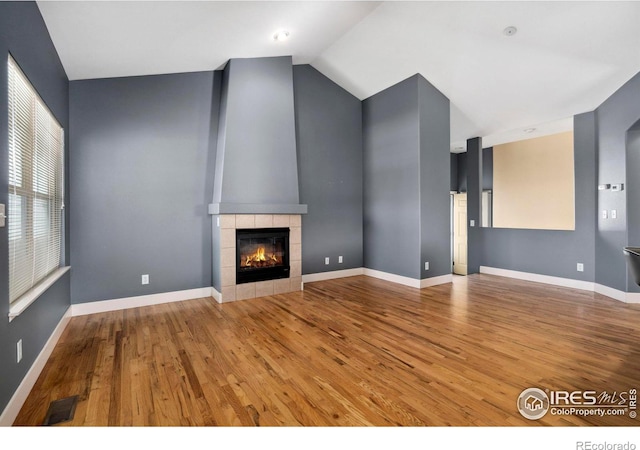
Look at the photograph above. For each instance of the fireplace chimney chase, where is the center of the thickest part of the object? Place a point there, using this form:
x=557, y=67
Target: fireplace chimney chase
x=256, y=163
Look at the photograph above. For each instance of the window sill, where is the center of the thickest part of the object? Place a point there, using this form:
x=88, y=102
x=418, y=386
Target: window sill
x=27, y=299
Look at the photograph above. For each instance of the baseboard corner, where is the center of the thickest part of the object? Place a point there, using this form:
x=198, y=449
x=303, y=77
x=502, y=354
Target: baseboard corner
x=18, y=398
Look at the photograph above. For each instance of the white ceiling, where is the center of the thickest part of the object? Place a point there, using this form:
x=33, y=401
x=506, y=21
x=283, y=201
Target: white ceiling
x=565, y=59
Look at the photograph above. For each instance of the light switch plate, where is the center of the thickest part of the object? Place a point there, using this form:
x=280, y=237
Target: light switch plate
x=604, y=214
x=614, y=214
x=472, y=223
x=2, y=215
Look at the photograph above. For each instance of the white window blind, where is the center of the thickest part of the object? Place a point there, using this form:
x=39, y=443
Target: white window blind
x=36, y=142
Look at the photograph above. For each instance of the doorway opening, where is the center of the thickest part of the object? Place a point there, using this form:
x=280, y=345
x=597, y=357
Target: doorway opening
x=459, y=233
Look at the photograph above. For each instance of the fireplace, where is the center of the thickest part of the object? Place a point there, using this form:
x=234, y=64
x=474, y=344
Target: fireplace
x=234, y=275
x=262, y=254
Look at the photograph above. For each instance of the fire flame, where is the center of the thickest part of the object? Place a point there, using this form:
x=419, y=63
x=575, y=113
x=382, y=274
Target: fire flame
x=259, y=259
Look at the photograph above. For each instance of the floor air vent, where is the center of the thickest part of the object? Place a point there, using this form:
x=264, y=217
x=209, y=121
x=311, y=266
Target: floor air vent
x=61, y=410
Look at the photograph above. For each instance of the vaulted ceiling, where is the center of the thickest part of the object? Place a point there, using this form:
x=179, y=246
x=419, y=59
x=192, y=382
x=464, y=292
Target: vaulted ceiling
x=565, y=58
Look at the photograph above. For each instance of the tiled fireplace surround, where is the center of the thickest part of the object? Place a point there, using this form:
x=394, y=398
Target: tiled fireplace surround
x=228, y=225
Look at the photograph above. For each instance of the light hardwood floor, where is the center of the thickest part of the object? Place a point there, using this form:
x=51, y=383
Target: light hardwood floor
x=354, y=351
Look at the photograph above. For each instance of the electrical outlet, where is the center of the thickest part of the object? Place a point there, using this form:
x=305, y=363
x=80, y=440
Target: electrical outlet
x=339, y=259
x=580, y=267
x=472, y=223
x=426, y=265
x=145, y=279
x=326, y=261
x=19, y=351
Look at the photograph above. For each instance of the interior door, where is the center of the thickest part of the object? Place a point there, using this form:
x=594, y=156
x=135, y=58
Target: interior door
x=460, y=234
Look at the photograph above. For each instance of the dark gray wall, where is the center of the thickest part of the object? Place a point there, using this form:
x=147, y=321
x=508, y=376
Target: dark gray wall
x=256, y=160
x=615, y=116
x=391, y=139
x=474, y=204
x=453, y=181
x=487, y=169
x=462, y=172
x=406, y=180
x=633, y=195
x=329, y=143
x=435, y=179
x=216, y=105
x=551, y=252
x=24, y=35
x=141, y=176
x=216, y=249
x=460, y=182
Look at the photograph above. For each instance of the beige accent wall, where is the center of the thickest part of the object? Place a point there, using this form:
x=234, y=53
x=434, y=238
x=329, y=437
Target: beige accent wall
x=533, y=183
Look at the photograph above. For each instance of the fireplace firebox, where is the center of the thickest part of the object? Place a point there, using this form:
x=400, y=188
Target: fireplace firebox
x=262, y=254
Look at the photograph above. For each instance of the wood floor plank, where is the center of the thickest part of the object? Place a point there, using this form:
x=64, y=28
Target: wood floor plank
x=356, y=351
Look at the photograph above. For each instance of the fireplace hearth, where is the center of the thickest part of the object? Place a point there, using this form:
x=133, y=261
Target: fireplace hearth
x=262, y=254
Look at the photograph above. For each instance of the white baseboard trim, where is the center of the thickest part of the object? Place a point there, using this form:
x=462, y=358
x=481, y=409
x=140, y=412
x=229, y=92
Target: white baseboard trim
x=610, y=292
x=217, y=296
x=626, y=297
x=81, y=309
x=442, y=279
x=12, y=409
x=406, y=281
x=633, y=297
x=556, y=281
x=322, y=276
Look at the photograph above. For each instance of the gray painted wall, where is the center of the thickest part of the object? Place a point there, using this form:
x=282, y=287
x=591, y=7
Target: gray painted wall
x=435, y=179
x=391, y=139
x=216, y=249
x=615, y=116
x=487, y=168
x=633, y=195
x=460, y=182
x=256, y=158
x=462, y=172
x=24, y=35
x=453, y=181
x=141, y=179
x=217, y=102
x=474, y=204
x=550, y=252
x=329, y=143
x=406, y=180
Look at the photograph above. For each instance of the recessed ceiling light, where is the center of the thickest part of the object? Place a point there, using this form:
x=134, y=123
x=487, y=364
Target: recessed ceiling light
x=529, y=130
x=510, y=31
x=281, y=35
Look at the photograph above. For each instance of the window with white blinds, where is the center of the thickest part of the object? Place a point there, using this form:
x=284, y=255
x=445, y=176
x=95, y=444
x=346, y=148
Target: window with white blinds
x=36, y=142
